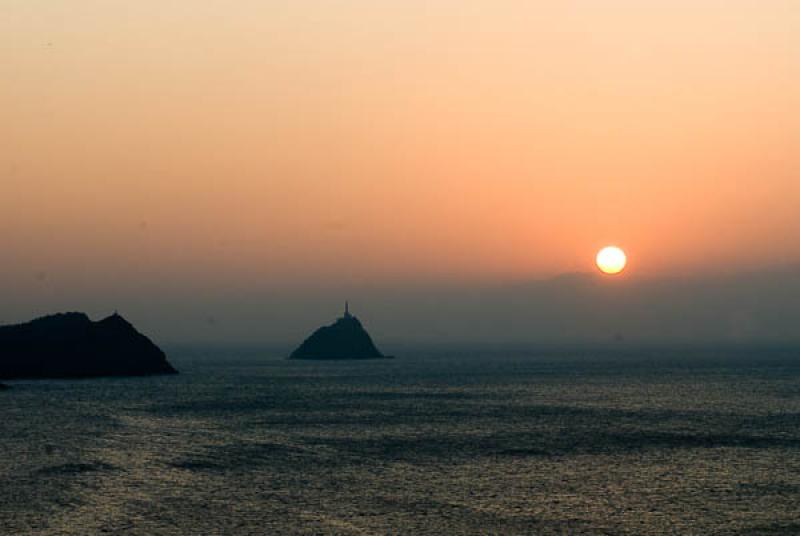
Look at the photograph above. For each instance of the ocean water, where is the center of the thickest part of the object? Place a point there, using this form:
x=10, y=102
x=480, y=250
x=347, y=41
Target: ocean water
x=649, y=441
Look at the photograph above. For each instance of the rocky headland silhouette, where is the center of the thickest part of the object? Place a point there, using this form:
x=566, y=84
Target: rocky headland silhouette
x=70, y=345
x=344, y=339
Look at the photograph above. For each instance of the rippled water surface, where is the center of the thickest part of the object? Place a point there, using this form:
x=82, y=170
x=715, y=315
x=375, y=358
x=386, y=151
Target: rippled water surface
x=647, y=442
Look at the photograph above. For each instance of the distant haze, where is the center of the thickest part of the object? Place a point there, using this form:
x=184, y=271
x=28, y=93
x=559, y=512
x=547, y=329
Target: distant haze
x=233, y=171
x=573, y=308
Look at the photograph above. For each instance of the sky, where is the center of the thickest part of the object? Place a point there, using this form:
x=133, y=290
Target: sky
x=205, y=164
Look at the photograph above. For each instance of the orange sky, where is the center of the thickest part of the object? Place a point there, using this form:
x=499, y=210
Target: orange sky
x=233, y=143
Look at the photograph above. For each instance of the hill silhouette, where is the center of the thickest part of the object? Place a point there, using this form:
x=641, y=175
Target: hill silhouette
x=70, y=345
x=344, y=339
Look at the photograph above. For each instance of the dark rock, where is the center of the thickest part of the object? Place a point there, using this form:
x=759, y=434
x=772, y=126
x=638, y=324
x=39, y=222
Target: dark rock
x=3, y=387
x=344, y=339
x=70, y=345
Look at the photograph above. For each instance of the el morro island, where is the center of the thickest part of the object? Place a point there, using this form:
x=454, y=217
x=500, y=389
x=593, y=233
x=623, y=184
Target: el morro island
x=344, y=339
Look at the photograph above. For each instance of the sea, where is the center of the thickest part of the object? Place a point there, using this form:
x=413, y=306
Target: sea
x=606, y=440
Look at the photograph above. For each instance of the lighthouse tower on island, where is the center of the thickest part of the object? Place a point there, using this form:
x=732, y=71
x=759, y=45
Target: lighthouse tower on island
x=344, y=339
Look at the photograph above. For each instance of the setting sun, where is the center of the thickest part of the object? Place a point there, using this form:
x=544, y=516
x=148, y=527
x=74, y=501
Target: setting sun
x=611, y=260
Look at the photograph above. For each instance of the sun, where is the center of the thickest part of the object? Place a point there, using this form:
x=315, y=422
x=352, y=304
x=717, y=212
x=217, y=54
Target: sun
x=611, y=260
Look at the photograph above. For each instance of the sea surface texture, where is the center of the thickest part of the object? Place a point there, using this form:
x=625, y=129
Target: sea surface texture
x=669, y=441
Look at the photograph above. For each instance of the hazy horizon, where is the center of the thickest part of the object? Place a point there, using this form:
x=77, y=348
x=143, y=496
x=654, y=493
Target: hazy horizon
x=756, y=306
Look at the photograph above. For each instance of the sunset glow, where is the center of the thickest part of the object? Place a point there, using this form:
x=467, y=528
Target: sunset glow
x=166, y=147
x=611, y=260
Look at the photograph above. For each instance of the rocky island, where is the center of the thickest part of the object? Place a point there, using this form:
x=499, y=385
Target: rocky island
x=70, y=345
x=344, y=339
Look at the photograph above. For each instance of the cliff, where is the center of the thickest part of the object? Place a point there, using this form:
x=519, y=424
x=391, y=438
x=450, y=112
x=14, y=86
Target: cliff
x=70, y=345
x=344, y=339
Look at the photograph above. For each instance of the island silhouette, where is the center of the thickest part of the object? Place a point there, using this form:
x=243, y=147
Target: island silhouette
x=70, y=345
x=344, y=339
